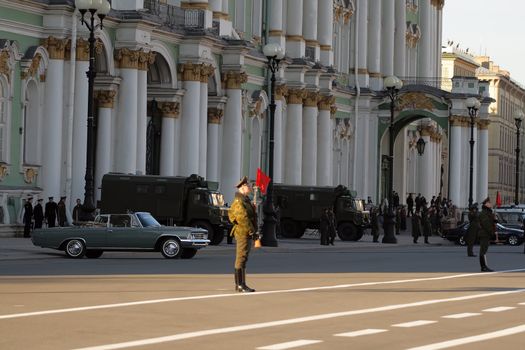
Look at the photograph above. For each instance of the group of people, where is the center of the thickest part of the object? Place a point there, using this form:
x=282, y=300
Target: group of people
x=52, y=214
x=482, y=227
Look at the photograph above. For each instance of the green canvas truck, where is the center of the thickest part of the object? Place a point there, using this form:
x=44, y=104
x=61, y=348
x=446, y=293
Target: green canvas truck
x=172, y=200
x=300, y=208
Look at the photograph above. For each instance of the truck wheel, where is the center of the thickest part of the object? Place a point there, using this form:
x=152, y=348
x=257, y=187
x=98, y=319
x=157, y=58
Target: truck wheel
x=188, y=253
x=215, y=236
x=170, y=248
x=349, y=232
x=291, y=229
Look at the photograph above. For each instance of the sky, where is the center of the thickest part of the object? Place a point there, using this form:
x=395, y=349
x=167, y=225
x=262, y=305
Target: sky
x=488, y=27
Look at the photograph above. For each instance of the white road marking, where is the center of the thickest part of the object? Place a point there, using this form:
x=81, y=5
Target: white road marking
x=521, y=304
x=499, y=309
x=464, y=315
x=244, y=295
x=253, y=326
x=361, y=332
x=472, y=339
x=413, y=324
x=290, y=344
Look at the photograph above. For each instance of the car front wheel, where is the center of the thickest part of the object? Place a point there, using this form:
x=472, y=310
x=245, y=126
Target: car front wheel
x=75, y=249
x=513, y=240
x=170, y=248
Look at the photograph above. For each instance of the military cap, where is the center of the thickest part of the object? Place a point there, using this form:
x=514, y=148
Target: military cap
x=39, y=200
x=50, y=198
x=29, y=198
x=486, y=200
x=244, y=181
x=64, y=197
x=474, y=205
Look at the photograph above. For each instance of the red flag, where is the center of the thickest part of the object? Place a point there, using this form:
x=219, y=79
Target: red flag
x=262, y=181
x=498, y=199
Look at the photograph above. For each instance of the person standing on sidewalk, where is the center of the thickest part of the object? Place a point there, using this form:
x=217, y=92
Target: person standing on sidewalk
x=243, y=216
x=416, y=226
x=486, y=232
x=28, y=216
x=473, y=229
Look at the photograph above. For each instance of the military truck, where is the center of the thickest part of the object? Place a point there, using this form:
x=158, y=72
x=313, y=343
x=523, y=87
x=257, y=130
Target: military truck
x=172, y=200
x=300, y=208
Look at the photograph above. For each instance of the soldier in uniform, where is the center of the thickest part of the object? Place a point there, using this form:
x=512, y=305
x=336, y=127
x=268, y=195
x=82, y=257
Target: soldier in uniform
x=425, y=223
x=38, y=214
x=473, y=229
x=77, y=211
x=416, y=226
x=28, y=216
x=50, y=212
x=486, y=232
x=62, y=219
x=374, y=224
x=324, y=227
x=243, y=216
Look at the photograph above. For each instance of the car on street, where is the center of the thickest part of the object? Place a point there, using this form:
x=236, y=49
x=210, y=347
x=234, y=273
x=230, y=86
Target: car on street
x=123, y=232
x=507, y=235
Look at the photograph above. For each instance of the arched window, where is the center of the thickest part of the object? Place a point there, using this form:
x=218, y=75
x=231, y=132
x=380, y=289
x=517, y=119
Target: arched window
x=159, y=74
x=32, y=125
x=4, y=105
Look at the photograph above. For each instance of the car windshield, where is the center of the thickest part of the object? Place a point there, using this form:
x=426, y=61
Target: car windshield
x=147, y=220
x=217, y=199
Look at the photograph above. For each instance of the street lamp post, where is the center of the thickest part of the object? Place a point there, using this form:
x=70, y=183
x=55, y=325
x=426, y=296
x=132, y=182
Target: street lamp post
x=95, y=8
x=274, y=53
x=392, y=85
x=518, y=117
x=473, y=105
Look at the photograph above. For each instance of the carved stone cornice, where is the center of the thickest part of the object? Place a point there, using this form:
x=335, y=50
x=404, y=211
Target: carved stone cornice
x=4, y=63
x=483, y=124
x=169, y=109
x=106, y=98
x=458, y=120
x=326, y=102
x=4, y=171
x=325, y=47
x=255, y=108
x=234, y=79
x=55, y=47
x=296, y=96
x=281, y=91
x=82, y=50
x=311, y=99
x=215, y=115
x=126, y=58
x=294, y=38
x=333, y=111
x=146, y=59
x=190, y=71
x=275, y=32
x=33, y=68
x=207, y=71
x=30, y=175
x=412, y=38
x=414, y=100
x=194, y=5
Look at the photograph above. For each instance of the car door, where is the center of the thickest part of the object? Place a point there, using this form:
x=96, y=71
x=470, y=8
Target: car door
x=124, y=232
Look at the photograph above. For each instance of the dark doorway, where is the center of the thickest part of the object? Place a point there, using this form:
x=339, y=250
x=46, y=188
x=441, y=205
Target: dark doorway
x=154, y=132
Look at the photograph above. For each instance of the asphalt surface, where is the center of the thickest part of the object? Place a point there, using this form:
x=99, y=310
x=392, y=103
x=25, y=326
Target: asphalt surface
x=358, y=295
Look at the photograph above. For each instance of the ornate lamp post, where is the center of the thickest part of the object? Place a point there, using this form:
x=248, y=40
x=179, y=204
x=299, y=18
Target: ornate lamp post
x=274, y=53
x=420, y=146
x=392, y=85
x=473, y=106
x=95, y=8
x=518, y=117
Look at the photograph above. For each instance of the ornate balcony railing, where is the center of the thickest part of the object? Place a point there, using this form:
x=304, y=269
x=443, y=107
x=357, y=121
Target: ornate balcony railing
x=174, y=16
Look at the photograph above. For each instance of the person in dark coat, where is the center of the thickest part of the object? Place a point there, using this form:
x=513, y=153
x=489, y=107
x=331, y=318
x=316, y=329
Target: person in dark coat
x=331, y=226
x=403, y=218
x=38, y=214
x=374, y=223
x=416, y=225
x=418, y=202
x=28, y=216
x=397, y=224
x=410, y=205
x=324, y=227
x=77, y=211
x=425, y=223
x=62, y=218
x=50, y=213
x=473, y=229
x=486, y=232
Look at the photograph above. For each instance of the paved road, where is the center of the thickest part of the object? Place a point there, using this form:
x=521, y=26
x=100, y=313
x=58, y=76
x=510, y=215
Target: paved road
x=355, y=295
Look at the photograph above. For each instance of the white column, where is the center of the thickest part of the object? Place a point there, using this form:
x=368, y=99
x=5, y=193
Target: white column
x=483, y=157
x=325, y=32
x=439, y=41
x=310, y=25
x=53, y=115
x=425, y=43
x=78, y=161
x=142, y=114
x=214, y=120
x=375, y=42
x=295, y=44
x=276, y=23
x=216, y=5
x=362, y=22
x=190, y=143
x=232, y=134
x=309, y=152
x=294, y=141
x=324, y=143
x=400, y=46
x=278, y=136
x=167, y=140
x=125, y=142
x=454, y=182
x=103, y=157
x=203, y=119
x=387, y=38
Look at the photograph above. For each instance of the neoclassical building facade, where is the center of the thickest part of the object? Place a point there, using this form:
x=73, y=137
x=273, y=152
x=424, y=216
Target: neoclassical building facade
x=182, y=88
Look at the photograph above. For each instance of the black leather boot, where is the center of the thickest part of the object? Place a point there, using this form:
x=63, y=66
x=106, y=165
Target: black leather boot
x=244, y=288
x=483, y=263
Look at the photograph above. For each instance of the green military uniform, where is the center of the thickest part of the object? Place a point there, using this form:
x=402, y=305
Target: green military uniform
x=472, y=232
x=486, y=222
